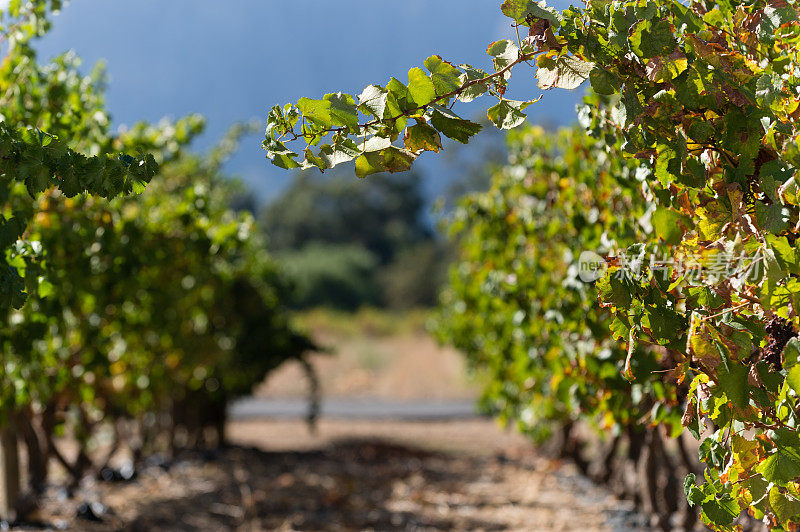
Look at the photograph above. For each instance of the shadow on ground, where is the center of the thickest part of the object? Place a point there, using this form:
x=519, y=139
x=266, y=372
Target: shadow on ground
x=351, y=485
x=464, y=475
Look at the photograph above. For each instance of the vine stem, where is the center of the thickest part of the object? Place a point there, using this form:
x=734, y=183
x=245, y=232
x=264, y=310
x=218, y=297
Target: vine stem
x=409, y=112
x=737, y=307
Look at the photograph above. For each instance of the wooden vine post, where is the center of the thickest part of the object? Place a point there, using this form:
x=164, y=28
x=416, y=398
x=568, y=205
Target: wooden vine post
x=11, y=470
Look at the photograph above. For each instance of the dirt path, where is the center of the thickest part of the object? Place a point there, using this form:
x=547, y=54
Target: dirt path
x=463, y=475
x=375, y=355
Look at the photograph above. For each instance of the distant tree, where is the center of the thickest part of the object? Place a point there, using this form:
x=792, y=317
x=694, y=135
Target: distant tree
x=341, y=276
x=383, y=215
x=414, y=278
x=349, y=243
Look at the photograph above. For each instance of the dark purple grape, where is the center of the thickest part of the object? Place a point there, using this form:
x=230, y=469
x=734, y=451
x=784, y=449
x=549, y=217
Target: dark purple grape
x=779, y=332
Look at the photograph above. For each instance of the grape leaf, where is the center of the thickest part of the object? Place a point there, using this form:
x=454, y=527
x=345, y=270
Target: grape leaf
x=420, y=87
x=453, y=126
x=520, y=9
x=507, y=114
x=446, y=77
x=565, y=72
x=373, y=101
x=422, y=137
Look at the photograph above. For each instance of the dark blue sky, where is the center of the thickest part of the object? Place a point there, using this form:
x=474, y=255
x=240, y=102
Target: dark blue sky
x=233, y=60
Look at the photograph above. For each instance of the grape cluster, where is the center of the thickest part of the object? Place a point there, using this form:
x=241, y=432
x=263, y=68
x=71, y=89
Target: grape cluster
x=779, y=332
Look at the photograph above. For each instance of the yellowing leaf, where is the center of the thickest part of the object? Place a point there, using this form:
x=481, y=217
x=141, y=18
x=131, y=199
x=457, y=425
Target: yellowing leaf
x=660, y=69
x=566, y=72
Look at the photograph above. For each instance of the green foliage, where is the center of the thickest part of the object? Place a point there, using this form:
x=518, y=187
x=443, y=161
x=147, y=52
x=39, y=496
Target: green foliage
x=48, y=113
x=22, y=20
x=516, y=304
x=170, y=292
x=364, y=129
x=118, y=305
x=719, y=154
x=332, y=275
x=707, y=96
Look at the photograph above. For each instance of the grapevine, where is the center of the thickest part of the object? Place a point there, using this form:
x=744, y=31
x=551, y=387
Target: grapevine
x=129, y=289
x=704, y=98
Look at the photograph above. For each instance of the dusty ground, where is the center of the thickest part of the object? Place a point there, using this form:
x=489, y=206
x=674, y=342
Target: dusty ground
x=376, y=355
x=465, y=475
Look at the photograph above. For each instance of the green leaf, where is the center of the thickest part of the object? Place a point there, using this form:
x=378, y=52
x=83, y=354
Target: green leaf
x=632, y=105
x=520, y=9
x=620, y=329
x=476, y=89
x=11, y=230
x=701, y=341
x=507, y=114
x=721, y=511
x=773, y=19
x=603, y=81
x=785, y=506
x=774, y=175
x=33, y=171
x=742, y=133
x=399, y=98
x=712, y=218
x=666, y=68
x=287, y=162
x=420, y=87
x=651, y=38
x=768, y=89
x=446, y=77
x=790, y=192
x=788, y=255
x=375, y=143
x=664, y=324
x=699, y=297
x=712, y=452
x=793, y=379
x=669, y=225
x=772, y=218
x=391, y=159
x=342, y=109
x=341, y=151
x=614, y=292
x=783, y=465
x=733, y=380
x=668, y=164
x=368, y=164
x=693, y=494
x=700, y=130
x=317, y=112
x=791, y=353
x=453, y=126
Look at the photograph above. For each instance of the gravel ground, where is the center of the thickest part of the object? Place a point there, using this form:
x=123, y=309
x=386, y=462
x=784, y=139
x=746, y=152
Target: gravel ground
x=350, y=475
